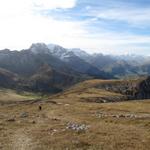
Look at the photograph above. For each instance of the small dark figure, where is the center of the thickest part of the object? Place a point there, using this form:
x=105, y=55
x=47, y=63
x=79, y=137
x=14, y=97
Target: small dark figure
x=40, y=107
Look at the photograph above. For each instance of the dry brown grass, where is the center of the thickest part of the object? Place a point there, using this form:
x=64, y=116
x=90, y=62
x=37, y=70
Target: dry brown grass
x=46, y=129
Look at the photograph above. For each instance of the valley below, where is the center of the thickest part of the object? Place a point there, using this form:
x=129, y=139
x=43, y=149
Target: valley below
x=91, y=115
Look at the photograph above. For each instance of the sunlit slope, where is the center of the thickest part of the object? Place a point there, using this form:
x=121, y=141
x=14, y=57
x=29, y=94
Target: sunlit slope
x=10, y=96
x=101, y=90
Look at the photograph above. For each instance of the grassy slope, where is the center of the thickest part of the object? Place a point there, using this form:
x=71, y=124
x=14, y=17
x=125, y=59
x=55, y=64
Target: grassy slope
x=46, y=129
x=8, y=95
x=95, y=91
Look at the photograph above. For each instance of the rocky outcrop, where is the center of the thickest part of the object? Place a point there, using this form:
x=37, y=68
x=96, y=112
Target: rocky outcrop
x=143, y=89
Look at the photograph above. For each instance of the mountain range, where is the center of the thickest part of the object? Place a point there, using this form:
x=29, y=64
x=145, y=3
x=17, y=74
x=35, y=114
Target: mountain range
x=52, y=68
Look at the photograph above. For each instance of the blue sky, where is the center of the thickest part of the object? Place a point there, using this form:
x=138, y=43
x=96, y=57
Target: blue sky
x=107, y=26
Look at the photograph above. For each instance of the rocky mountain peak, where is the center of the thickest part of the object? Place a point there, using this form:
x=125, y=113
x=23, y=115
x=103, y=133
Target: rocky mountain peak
x=80, y=53
x=39, y=48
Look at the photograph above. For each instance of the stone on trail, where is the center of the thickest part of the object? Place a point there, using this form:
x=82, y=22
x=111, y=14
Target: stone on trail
x=24, y=115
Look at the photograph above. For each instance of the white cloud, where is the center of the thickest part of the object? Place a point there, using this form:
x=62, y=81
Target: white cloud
x=114, y=43
x=138, y=17
x=21, y=25
x=21, y=32
x=52, y=4
x=13, y=8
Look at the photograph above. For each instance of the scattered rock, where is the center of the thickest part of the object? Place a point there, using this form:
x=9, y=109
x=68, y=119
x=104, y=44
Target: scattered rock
x=59, y=103
x=52, y=131
x=55, y=119
x=77, y=127
x=114, y=116
x=130, y=116
x=126, y=116
x=67, y=104
x=24, y=115
x=44, y=115
x=11, y=119
x=33, y=122
x=104, y=101
x=121, y=116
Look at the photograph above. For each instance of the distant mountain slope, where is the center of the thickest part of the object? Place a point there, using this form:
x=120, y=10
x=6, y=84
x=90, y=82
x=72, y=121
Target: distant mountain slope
x=122, y=69
x=45, y=79
x=26, y=66
x=7, y=78
x=53, y=68
x=23, y=63
x=81, y=53
x=26, y=63
x=121, y=66
x=49, y=80
x=75, y=62
x=101, y=61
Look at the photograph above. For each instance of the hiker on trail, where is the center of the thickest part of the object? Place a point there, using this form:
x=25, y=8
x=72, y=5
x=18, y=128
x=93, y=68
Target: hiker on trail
x=40, y=107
